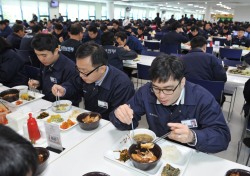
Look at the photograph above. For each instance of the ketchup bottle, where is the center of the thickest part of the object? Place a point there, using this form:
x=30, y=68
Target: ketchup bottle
x=34, y=133
x=211, y=43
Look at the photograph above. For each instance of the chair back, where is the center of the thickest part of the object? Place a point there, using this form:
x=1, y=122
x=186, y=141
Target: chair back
x=169, y=48
x=150, y=53
x=209, y=50
x=221, y=40
x=143, y=71
x=31, y=72
x=230, y=53
x=232, y=63
x=29, y=57
x=159, y=35
x=216, y=88
x=152, y=45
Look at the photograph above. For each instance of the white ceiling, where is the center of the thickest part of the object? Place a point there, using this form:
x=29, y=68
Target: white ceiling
x=183, y=4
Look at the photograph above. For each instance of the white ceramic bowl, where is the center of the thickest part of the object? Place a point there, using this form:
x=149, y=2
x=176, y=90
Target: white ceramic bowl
x=141, y=131
x=61, y=106
x=22, y=89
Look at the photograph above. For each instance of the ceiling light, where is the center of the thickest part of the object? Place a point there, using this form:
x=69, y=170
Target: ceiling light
x=166, y=3
x=178, y=3
x=169, y=6
x=196, y=6
x=205, y=2
x=190, y=4
x=175, y=7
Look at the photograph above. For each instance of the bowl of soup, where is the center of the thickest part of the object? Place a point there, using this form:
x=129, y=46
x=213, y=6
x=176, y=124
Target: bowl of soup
x=145, y=156
x=142, y=135
x=43, y=156
x=61, y=106
x=10, y=95
x=89, y=120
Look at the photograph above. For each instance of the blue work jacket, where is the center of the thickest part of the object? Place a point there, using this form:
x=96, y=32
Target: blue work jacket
x=115, y=90
x=134, y=44
x=204, y=66
x=61, y=71
x=212, y=133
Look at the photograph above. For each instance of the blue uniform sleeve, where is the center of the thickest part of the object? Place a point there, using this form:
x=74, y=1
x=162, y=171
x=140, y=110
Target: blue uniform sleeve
x=213, y=134
x=218, y=71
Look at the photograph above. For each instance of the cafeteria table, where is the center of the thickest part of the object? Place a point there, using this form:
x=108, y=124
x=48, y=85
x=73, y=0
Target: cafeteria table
x=88, y=156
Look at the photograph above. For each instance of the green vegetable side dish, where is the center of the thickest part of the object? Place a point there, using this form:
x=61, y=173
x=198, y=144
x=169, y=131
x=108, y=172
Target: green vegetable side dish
x=43, y=115
x=169, y=170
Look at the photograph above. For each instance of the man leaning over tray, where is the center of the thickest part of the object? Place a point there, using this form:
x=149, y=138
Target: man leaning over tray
x=170, y=102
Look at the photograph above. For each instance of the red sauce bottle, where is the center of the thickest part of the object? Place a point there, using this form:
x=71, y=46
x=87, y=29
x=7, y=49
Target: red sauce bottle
x=34, y=133
x=211, y=43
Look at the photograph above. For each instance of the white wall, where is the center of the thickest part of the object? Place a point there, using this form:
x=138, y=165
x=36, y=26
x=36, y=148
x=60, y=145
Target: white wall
x=241, y=13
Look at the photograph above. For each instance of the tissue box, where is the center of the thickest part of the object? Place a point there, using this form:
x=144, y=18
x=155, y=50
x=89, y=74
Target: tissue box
x=16, y=120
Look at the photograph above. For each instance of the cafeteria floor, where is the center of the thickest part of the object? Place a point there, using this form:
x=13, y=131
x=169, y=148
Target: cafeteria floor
x=235, y=125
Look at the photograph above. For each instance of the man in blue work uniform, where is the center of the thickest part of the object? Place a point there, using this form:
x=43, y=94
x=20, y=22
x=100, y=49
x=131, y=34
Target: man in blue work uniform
x=102, y=86
x=116, y=54
x=131, y=41
x=5, y=30
x=175, y=37
x=26, y=40
x=240, y=39
x=170, y=102
x=92, y=35
x=56, y=68
x=16, y=36
x=201, y=65
x=69, y=47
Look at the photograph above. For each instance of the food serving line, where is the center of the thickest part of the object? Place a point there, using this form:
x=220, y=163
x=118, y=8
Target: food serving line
x=88, y=151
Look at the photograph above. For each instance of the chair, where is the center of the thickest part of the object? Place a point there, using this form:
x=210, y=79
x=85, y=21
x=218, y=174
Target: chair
x=221, y=40
x=232, y=63
x=159, y=35
x=142, y=73
x=154, y=45
x=231, y=54
x=29, y=57
x=216, y=88
x=209, y=50
x=31, y=72
x=150, y=53
x=245, y=140
x=169, y=48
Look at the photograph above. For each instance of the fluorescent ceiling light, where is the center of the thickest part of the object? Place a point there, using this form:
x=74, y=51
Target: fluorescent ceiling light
x=169, y=6
x=190, y=4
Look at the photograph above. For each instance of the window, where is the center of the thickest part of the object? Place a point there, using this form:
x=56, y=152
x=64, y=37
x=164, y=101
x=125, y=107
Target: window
x=11, y=10
x=104, y=12
x=43, y=8
x=72, y=11
x=83, y=12
x=63, y=9
x=119, y=12
x=28, y=8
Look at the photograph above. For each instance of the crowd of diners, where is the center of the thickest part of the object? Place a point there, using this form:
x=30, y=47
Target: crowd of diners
x=84, y=59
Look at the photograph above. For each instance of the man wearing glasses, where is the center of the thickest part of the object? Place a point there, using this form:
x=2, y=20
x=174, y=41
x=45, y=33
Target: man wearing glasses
x=171, y=103
x=102, y=86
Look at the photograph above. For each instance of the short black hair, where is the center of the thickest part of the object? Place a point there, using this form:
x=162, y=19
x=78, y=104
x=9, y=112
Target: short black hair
x=97, y=53
x=92, y=29
x=103, y=27
x=127, y=27
x=175, y=25
x=116, y=22
x=2, y=22
x=43, y=42
x=76, y=29
x=36, y=28
x=107, y=38
x=121, y=35
x=241, y=29
x=141, y=28
x=226, y=28
x=4, y=45
x=18, y=156
x=198, y=41
x=17, y=27
x=194, y=28
x=165, y=66
x=58, y=26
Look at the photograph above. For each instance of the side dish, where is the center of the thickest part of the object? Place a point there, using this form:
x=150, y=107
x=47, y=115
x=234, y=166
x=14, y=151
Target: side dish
x=169, y=170
x=55, y=118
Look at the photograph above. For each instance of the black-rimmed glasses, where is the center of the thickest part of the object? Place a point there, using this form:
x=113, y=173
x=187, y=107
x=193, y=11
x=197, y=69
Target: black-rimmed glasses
x=165, y=91
x=87, y=74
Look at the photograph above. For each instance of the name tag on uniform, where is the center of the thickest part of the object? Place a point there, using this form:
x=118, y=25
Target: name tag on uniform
x=191, y=123
x=103, y=104
x=52, y=79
